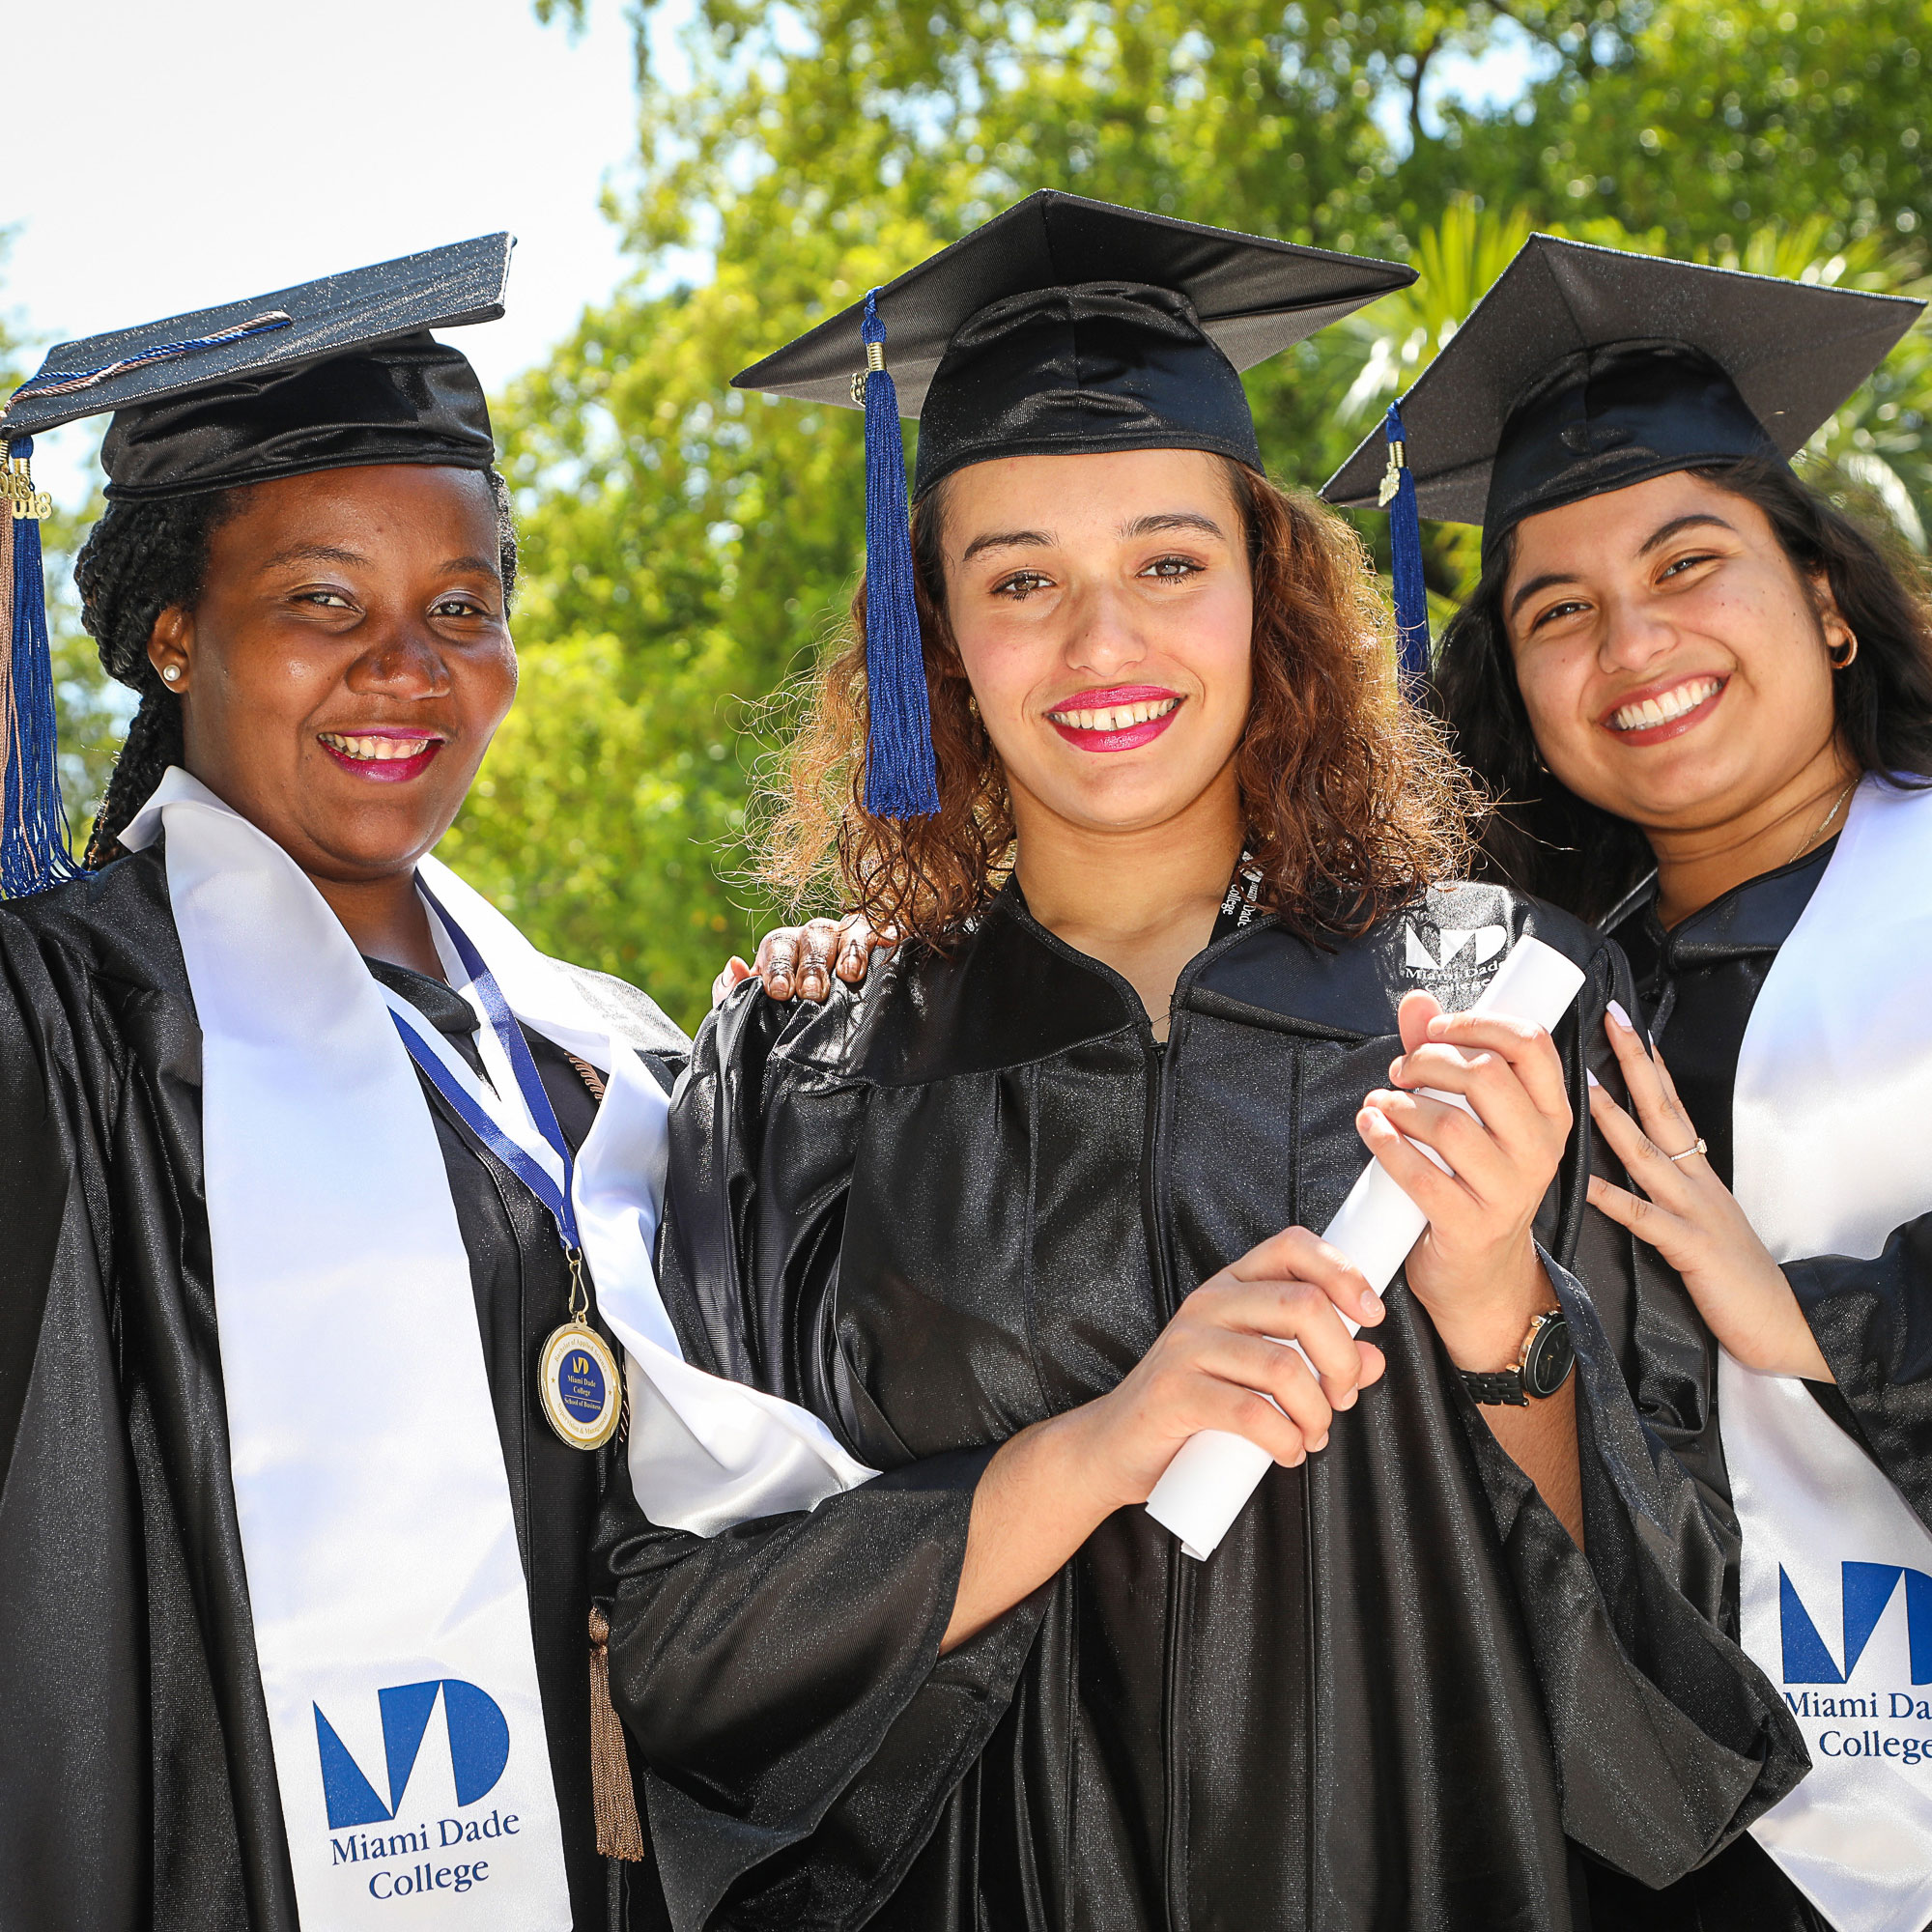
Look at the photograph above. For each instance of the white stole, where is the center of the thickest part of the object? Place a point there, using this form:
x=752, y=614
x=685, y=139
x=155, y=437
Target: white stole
x=1836, y=1571
x=391, y=1616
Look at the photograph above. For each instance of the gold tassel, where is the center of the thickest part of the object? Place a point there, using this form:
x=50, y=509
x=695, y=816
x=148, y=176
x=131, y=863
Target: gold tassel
x=619, y=1836
x=589, y=1075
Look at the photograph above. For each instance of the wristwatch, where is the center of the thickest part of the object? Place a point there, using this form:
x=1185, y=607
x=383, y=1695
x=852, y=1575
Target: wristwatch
x=1540, y=1371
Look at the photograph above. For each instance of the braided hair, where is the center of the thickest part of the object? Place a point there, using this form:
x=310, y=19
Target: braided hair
x=145, y=557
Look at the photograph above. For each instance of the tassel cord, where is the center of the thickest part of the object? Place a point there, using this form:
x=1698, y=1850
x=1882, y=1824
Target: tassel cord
x=1411, y=594
x=612, y=1797
x=34, y=845
x=901, y=775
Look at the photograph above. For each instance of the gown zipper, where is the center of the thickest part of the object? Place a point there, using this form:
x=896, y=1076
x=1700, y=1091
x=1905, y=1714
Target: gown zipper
x=1179, y=1581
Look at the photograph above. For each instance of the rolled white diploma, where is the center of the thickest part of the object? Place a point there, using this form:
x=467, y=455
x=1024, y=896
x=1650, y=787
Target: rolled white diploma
x=1215, y=1473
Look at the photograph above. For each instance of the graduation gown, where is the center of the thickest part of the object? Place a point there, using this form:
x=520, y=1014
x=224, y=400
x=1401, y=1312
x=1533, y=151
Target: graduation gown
x=969, y=1196
x=1872, y=1318
x=137, y=1781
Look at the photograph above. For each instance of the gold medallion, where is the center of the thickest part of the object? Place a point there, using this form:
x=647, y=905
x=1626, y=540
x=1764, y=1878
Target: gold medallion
x=581, y=1386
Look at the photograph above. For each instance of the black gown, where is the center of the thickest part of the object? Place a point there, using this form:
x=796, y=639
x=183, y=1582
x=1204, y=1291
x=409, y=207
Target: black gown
x=968, y=1196
x=1872, y=1318
x=137, y=1781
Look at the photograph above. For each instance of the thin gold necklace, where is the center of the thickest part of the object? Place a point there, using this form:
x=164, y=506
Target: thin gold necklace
x=1824, y=824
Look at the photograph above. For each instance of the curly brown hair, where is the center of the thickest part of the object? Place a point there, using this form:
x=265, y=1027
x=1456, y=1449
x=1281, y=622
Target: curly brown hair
x=1352, y=802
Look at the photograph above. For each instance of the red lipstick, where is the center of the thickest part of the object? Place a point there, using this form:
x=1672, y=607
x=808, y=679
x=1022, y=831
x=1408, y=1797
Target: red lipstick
x=1097, y=720
x=347, y=748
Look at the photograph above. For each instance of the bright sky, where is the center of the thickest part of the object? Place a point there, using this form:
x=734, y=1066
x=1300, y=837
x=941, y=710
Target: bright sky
x=192, y=152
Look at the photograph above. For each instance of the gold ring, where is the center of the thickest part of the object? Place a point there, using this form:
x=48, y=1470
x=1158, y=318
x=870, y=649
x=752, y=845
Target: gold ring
x=1696, y=1146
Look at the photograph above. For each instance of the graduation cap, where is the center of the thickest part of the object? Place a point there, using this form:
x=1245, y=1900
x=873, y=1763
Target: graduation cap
x=331, y=375
x=1063, y=326
x=1587, y=369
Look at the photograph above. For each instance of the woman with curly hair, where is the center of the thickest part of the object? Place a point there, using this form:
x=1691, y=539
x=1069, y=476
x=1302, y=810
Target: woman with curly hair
x=1030, y=1210
x=1700, y=698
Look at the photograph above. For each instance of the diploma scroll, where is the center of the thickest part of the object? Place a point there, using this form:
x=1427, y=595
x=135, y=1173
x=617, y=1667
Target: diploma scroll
x=1215, y=1473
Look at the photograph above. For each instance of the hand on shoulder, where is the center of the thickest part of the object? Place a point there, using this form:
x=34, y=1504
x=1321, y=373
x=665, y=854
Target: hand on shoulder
x=799, y=961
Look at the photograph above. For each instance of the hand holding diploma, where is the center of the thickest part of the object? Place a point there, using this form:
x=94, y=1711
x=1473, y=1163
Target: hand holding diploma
x=1466, y=1141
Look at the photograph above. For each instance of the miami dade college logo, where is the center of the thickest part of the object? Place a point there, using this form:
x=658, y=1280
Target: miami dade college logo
x=479, y=1748
x=1447, y=953
x=1868, y=1592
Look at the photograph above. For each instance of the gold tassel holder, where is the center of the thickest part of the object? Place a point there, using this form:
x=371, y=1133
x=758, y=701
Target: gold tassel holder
x=619, y=1835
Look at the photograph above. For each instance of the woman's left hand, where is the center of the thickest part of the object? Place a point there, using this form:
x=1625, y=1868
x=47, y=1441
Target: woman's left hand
x=1475, y=1268
x=1693, y=1220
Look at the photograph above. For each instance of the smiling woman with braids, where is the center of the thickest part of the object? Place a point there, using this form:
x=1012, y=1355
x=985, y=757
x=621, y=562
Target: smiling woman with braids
x=329, y=1199
x=146, y=558
x=1019, y=1218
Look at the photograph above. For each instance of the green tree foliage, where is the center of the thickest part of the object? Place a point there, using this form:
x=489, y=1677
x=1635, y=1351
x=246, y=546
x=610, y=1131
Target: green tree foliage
x=687, y=546
x=1707, y=120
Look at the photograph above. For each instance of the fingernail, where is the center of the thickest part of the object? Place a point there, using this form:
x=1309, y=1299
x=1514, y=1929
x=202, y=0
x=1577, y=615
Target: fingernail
x=1591, y=1078
x=1622, y=1018
x=1370, y=1304
x=1320, y=1442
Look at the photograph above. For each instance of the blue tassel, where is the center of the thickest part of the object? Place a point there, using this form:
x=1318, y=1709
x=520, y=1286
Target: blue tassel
x=34, y=849
x=1412, y=595
x=901, y=773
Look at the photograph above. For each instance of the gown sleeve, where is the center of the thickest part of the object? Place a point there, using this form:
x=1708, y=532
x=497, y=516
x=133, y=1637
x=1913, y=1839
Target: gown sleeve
x=782, y=1681
x=1873, y=1324
x=1668, y=1740
x=75, y=1798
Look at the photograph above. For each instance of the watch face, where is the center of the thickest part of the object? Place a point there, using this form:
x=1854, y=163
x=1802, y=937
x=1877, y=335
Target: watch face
x=1550, y=1357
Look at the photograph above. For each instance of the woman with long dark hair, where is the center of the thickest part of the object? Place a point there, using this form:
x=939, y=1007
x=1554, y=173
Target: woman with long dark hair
x=1116, y=747
x=1700, y=700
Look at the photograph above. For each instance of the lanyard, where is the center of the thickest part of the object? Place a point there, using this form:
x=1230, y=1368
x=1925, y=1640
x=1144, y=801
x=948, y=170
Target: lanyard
x=1238, y=908
x=513, y=1119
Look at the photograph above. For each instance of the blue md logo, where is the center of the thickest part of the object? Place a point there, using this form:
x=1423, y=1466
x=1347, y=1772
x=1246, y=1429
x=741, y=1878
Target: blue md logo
x=1868, y=1588
x=479, y=1748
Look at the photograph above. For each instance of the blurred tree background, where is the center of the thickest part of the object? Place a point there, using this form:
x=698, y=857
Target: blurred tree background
x=688, y=546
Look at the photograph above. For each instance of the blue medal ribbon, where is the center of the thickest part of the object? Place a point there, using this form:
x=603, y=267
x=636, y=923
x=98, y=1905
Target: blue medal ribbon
x=476, y=1118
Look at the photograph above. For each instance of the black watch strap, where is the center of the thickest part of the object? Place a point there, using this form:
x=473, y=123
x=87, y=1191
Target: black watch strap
x=1540, y=1371
x=1503, y=1389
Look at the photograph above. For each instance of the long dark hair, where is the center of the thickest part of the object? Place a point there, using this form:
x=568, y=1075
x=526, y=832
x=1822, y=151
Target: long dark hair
x=1540, y=838
x=1351, y=800
x=143, y=558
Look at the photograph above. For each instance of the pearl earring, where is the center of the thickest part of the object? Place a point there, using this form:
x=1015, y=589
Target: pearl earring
x=172, y=672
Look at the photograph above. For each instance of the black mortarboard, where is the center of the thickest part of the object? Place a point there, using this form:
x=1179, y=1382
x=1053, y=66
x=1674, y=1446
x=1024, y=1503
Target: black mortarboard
x=334, y=374
x=1063, y=325
x=1587, y=369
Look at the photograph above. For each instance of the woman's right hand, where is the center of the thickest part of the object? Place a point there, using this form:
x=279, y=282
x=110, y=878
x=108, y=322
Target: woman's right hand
x=1220, y=1364
x=800, y=960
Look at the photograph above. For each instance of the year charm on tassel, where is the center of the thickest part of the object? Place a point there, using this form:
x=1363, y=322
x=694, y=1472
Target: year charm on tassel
x=1392, y=475
x=18, y=492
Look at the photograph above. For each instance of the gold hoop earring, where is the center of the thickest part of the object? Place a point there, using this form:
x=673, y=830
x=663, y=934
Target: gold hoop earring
x=1851, y=651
